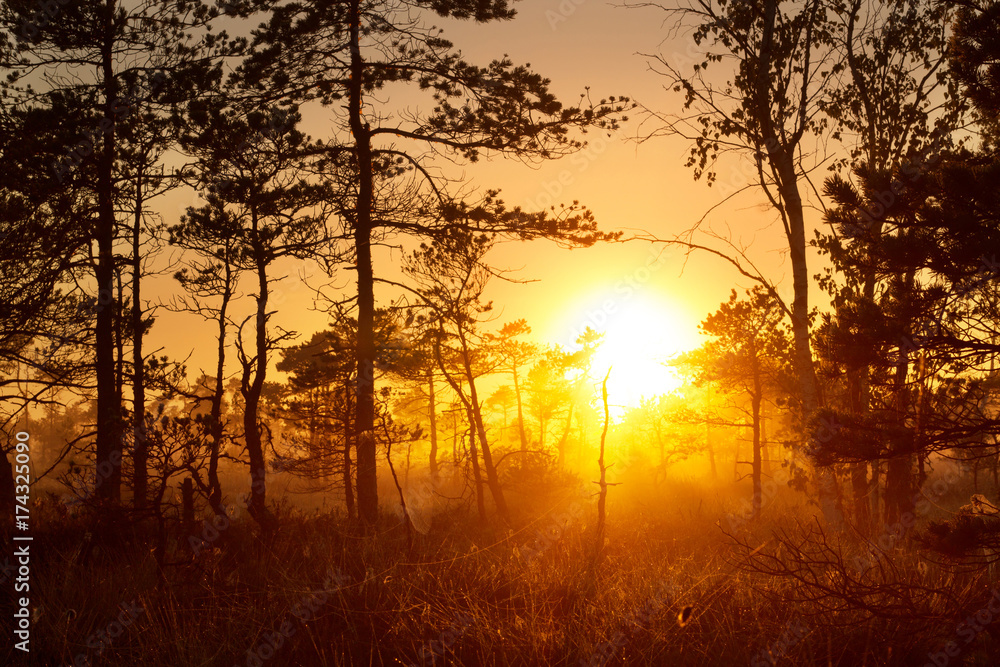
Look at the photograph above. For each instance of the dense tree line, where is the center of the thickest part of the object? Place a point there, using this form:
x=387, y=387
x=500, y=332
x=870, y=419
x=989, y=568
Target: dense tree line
x=161, y=84
x=898, y=372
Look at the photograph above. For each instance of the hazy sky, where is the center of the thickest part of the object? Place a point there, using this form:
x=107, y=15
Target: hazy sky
x=650, y=307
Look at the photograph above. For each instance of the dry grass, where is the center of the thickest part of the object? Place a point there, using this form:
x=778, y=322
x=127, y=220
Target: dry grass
x=468, y=595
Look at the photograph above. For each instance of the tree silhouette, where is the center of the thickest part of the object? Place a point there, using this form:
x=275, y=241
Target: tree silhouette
x=272, y=208
x=929, y=336
x=668, y=423
x=973, y=63
x=213, y=233
x=130, y=55
x=547, y=390
x=515, y=354
x=749, y=354
x=895, y=57
x=320, y=393
x=343, y=55
x=575, y=367
x=767, y=111
x=450, y=276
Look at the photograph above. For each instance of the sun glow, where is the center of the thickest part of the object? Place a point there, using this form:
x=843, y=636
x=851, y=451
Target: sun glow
x=640, y=334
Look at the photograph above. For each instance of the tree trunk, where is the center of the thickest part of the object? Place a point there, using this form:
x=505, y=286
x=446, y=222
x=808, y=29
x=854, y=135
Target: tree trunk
x=826, y=482
x=254, y=374
x=365, y=421
x=736, y=459
x=860, y=484
x=898, y=487
x=477, y=476
x=476, y=424
x=108, y=445
x=348, y=475
x=781, y=158
x=120, y=346
x=865, y=491
x=765, y=453
x=140, y=453
x=214, y=484
x=603, y=497
x=472, y=402
x=454, y=438
x=899, y=469
x=492, y=479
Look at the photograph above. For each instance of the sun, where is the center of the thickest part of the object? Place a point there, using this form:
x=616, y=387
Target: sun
x=640, y=333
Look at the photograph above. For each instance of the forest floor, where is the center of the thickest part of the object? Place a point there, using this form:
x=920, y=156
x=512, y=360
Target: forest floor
x=684, y=579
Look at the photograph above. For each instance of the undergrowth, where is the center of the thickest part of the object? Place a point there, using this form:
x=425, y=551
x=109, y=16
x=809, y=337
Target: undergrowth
x=673, y=587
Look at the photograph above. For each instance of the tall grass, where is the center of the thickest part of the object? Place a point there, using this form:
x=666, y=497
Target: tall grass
x=672, y=589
